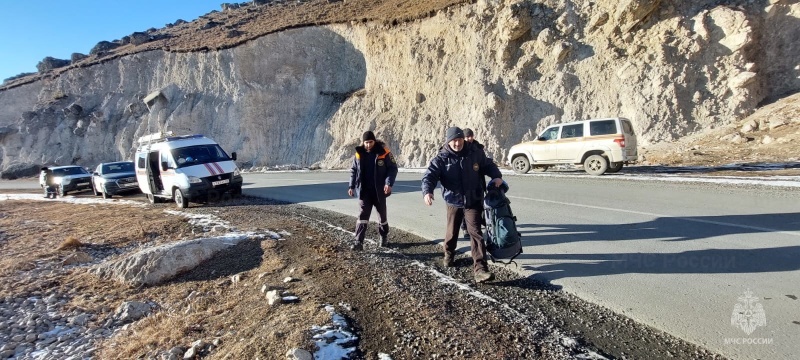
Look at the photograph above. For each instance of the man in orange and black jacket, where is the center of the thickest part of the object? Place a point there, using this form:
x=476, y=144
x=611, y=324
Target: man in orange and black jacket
x=371, y=179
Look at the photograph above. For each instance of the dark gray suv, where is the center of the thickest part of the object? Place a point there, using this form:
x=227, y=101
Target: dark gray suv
x=68, y=178
x=114, y=178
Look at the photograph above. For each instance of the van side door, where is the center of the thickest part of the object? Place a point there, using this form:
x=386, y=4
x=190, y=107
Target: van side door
x=142, y=174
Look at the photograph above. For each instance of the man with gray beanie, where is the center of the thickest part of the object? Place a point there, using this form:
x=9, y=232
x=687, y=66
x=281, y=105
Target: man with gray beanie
x=371, y=179
x=461, y=170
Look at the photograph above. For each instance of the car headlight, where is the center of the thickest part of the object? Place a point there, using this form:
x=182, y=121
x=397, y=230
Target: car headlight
x=103, y=180
x=236, y=172
x=195, y=180
x=57, y=180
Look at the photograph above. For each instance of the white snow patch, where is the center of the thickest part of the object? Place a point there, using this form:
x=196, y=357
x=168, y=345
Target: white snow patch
x=332, y=339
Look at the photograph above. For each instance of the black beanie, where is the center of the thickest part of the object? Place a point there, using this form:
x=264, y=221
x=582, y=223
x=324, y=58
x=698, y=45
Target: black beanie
x=454, y=132
x=468, y=132
x=368, y=135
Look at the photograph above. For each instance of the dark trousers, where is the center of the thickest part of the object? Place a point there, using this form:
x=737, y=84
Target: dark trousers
x=369, y=201
x=472, y=217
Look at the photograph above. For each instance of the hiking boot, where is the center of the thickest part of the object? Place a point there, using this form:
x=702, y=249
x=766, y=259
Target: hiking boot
x=482, y=276
x=448, y=259
x=357, y=246
x=384, y=241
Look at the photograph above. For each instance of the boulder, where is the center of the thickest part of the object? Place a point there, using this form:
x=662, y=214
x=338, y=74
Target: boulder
x=50, y=63
x=155, y=265
x=75, y=57
x=139, y=38
x=632, y=12
x=132, y=311
x=103, y=47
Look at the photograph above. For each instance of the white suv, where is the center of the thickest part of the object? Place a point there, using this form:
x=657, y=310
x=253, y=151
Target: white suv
x=601, y=145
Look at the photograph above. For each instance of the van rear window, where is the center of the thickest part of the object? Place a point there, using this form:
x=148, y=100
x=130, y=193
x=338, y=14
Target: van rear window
x=602, y=127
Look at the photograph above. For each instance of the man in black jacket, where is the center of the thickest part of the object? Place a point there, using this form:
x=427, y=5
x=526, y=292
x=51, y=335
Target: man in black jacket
x=371, y=179
x=461, y=170
x=469, y=140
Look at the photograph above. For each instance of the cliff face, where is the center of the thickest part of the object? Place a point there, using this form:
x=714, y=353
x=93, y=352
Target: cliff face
x=505, y=69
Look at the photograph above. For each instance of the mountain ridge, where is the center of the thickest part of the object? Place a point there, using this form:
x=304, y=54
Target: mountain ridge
x=507, y=69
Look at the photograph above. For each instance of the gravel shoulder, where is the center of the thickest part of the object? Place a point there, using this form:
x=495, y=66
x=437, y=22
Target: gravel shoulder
x=397, y=302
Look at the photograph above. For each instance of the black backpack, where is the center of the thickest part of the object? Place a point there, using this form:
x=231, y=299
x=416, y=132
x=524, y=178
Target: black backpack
x=502, y=239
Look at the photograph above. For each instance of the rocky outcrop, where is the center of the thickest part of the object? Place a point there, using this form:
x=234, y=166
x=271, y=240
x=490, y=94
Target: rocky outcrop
x=50, y=63
x=158, y=264
x=506, y=69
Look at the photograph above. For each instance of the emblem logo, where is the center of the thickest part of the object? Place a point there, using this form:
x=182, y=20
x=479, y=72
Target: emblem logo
x=475, y=166
x=380, y=162
x=748, y=314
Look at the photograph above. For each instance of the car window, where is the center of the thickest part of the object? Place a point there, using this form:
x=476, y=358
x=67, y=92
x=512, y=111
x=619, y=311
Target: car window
x=572, y=131
x=140, y=161
x=117, y=168
x=602, y=127
x=627, y=127
x=165, y=159
x=550, y=134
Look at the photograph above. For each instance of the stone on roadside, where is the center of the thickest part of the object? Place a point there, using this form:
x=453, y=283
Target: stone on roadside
x=273, y=298
x=299, y=354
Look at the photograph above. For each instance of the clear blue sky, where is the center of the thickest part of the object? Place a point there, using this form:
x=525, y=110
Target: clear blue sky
x=31, y=30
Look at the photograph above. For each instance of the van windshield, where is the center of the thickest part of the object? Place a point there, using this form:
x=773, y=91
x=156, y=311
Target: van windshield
x=199, y=154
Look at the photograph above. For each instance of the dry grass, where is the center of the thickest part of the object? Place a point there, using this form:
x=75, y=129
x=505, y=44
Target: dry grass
x=70, y=243
x=706, y=148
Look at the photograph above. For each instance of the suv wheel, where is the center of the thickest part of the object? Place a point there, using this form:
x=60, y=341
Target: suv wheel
x=614, y=167
x=520, y=164
x=595, y=165
x=180, y=199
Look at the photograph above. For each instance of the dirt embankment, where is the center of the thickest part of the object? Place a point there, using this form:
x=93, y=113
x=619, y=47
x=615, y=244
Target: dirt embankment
x=397, y=301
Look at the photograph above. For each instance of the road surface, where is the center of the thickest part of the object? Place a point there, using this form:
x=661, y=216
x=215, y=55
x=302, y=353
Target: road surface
x=676, y=256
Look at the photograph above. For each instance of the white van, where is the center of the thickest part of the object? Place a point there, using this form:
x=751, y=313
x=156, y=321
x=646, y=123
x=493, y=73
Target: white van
x=601, y=145
x=185, y=168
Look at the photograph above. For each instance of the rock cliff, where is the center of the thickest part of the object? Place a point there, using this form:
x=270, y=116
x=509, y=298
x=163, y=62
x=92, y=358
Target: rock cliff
x=506, y=69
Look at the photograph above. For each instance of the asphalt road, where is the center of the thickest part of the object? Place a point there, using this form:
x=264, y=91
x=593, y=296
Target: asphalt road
x=676, y=256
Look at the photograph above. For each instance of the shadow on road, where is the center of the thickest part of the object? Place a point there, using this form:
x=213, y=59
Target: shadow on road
x=325, y=192
x=755, y=258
